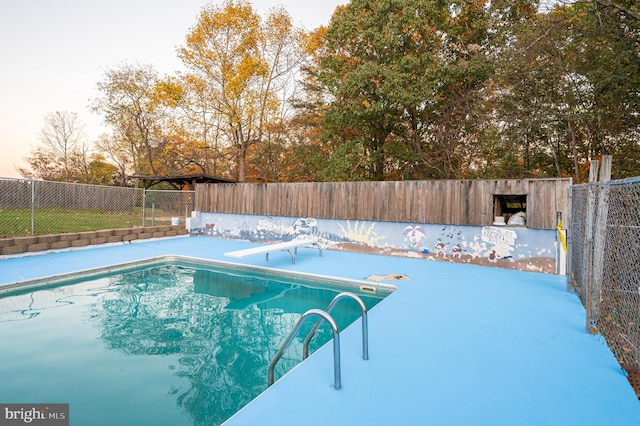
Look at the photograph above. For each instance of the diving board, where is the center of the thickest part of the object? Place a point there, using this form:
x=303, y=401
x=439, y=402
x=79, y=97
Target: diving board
x=284, y=246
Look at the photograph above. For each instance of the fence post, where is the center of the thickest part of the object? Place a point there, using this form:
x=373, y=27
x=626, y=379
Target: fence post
x=144, y=205
x=33, y=207
x=599, y=239
x=588, y=267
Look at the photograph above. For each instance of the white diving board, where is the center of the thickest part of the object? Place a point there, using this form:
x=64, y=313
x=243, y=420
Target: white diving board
x=284, y=246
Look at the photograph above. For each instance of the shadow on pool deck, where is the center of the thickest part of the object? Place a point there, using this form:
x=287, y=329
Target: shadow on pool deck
x=455, y=345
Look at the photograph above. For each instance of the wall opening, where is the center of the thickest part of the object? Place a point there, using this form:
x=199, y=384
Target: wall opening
x=510, y=209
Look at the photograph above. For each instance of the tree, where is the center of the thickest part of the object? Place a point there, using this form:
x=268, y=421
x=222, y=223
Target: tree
x=59, y=155
x=61, y=135
x=43, y=166
x=377, y=61
x=457, y=127
x=407, y=79
x=131, y=108
x=244, y=66
x=303, y=157
x=196, y=130
x=100, y=172
x=569, y=92
x=607, y=37
x=111, y=148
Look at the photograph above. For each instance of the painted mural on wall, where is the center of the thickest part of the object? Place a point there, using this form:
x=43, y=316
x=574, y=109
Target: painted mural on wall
x=507, y=247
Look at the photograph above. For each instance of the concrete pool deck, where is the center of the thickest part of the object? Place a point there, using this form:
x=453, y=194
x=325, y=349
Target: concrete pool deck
x=455, y=345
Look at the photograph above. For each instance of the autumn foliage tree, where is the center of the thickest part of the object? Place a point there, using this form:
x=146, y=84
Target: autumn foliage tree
x=388, y=90
x=245, y=66
x=128, y=106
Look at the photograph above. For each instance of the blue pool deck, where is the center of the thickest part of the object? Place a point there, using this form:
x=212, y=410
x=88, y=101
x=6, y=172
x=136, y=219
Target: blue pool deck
x=455, y=345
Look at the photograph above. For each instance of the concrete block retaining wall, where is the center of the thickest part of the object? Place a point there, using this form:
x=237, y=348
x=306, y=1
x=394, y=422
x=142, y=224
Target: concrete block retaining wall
x=19, y=245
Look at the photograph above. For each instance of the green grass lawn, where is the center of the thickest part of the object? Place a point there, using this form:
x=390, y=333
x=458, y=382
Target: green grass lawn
x=17, y=222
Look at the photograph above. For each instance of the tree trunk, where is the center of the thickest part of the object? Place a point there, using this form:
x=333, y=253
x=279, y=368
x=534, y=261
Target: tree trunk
x=242, y=161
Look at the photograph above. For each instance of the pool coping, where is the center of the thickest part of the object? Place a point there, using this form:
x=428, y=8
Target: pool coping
x=56, y=279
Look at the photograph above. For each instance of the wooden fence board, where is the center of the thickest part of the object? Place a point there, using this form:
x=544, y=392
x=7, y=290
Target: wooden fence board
x=441, y=202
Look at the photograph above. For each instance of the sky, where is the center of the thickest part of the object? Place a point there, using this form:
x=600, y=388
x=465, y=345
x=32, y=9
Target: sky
x=54, y=52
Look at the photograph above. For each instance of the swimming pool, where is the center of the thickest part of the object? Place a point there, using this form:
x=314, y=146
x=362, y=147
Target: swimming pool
x=165, y=341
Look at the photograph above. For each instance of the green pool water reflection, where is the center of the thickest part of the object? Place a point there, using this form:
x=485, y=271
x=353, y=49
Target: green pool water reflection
x=171, y=344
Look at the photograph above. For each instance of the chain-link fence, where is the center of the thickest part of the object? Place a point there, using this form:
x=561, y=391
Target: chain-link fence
x=32, y=207
x=604, y=262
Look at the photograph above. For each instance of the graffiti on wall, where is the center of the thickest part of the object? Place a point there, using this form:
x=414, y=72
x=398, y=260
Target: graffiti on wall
x=508, y=247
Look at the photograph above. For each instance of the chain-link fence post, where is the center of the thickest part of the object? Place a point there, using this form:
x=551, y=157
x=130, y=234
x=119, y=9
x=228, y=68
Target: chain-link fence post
x=144, y=206
x=588, y=260
x=33, y=207
x=604, y=264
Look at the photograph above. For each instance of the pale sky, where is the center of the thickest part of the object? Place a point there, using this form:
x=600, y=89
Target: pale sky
x=53, y=52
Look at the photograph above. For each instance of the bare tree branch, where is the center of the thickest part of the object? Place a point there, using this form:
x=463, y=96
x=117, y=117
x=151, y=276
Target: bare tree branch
x=61, y=134
x=621, y=8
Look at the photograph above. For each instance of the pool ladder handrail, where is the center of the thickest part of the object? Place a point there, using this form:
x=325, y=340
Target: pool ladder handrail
x=336, y=346
x=365, y=325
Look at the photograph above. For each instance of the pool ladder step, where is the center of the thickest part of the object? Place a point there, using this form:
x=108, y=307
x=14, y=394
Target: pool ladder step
x=325, y=316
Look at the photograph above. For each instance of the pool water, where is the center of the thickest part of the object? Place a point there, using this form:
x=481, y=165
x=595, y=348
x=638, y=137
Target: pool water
x=172, y=344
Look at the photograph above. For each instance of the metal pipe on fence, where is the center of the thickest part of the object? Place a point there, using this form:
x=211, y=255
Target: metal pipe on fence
x=144, y=205
x=33, y=207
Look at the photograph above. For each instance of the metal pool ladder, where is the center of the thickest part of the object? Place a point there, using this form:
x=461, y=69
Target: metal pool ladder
x=365, y=324
x=324, y=316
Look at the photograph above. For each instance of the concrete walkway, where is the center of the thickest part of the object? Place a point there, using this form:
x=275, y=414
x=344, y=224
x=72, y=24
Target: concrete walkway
x=455, y=345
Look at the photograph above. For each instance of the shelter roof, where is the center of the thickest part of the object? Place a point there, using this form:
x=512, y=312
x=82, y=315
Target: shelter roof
x=180, y=181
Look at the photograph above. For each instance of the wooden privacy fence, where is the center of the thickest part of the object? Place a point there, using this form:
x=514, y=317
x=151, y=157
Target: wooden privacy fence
x=454, y=202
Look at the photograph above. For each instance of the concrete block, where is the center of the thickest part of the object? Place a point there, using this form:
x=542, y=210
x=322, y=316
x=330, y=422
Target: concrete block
x=60, y=245
x=14, y=249
x=38, y=247
x=18, y=245
x=48, y=239
x=80, y=243
x=25, y=241
x=88, y=235
x=6, y=242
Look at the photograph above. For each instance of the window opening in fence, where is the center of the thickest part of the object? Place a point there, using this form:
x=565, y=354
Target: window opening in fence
x=510, y=209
